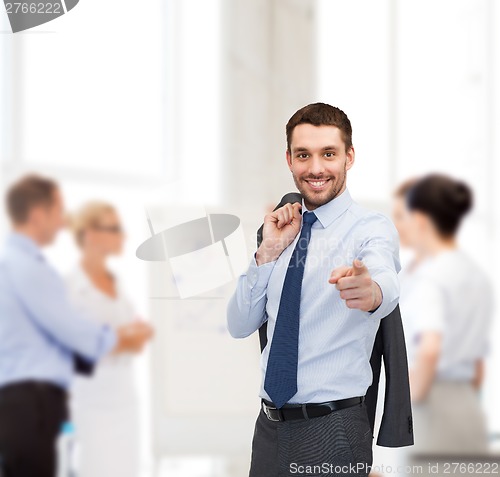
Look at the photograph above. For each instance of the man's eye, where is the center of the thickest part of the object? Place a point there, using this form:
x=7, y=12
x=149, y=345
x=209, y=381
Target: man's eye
x=303, y=156
x=329, y=154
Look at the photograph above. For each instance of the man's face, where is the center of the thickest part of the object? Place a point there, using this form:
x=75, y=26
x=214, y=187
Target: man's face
x=319, y=163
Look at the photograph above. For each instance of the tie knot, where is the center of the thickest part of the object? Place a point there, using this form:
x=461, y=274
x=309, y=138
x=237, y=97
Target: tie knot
x=309, y=217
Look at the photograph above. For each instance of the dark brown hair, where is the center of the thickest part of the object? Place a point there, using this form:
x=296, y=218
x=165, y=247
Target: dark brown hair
x=444, y=199
x=402, y=190
x=28, y=192
x=321, y=114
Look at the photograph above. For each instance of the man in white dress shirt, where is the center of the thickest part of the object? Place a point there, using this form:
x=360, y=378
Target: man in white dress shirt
x=323, y=277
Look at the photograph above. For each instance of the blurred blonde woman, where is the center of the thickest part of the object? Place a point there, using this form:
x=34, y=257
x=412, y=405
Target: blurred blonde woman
x=104, y=406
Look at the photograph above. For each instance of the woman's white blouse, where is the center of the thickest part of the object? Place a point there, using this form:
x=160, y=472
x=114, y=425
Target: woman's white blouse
x=449, y=294
x=113, y=381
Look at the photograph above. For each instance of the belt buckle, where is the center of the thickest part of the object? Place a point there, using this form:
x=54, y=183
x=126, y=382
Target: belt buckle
x=267, y=412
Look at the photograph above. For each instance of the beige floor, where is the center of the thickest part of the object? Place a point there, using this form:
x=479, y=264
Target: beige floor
x=203, y=466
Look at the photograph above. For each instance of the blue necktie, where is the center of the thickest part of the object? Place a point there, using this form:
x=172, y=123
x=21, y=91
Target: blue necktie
x=281, y=373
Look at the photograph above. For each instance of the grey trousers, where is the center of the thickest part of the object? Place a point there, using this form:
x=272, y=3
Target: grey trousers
x=338, y=444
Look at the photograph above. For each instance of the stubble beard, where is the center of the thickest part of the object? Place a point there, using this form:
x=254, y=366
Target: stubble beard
x=313, y=199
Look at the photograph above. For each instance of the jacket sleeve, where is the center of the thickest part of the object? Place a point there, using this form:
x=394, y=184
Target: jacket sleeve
x=396, y=427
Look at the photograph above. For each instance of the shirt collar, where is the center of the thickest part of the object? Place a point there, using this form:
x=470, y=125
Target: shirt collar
x=25, y=243
x=330, y=211
x=81, y=281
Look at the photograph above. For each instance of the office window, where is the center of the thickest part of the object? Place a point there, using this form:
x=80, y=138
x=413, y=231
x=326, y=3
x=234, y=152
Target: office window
x=90, y=89
x=444, y=92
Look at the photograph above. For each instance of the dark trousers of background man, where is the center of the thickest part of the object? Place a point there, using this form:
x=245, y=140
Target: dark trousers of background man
x=340, y=443
x=31, y=414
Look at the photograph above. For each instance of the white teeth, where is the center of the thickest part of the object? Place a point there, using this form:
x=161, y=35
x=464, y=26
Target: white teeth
x=317, y=184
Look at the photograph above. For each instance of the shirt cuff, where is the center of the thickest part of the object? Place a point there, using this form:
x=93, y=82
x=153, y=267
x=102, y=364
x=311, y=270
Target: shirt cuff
x=258, y=275
x=390, y=296
x=107, y=341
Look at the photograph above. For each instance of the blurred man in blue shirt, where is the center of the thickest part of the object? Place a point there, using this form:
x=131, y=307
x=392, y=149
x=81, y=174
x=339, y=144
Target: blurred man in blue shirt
x=41, y=335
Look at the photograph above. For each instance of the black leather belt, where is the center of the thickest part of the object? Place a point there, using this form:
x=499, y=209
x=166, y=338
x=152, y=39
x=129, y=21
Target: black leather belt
x=32, y=386
x=307, y=411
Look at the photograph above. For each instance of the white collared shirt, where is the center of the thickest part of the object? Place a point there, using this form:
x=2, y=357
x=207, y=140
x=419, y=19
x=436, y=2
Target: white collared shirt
x=335, y=342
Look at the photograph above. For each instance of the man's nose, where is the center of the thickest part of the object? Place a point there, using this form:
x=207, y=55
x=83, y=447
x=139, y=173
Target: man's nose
x=317, y=166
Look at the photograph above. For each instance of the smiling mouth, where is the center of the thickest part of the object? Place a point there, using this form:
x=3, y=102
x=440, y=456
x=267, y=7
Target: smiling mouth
x=317, y=184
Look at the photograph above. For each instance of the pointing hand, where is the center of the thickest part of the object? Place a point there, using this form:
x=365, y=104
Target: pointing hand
x=357, y=287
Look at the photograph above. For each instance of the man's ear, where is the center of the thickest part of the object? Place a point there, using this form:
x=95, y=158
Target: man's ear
x=39, y=214
x=35, y=215
x=289, y=159
x=350, y=158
